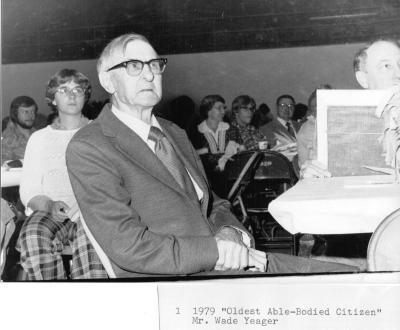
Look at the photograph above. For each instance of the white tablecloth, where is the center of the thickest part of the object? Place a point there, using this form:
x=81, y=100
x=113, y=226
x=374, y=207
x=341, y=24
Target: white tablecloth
x=340, y=205
x=11, y=177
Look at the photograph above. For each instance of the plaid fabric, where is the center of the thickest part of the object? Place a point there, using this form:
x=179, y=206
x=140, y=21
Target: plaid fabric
x=42, y=241
x=85, y=261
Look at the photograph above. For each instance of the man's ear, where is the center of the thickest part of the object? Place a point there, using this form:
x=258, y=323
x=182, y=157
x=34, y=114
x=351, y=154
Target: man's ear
x=362, y=79
x=106, y=82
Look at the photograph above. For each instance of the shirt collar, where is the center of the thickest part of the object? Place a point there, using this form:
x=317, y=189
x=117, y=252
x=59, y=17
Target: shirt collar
x=203, y=127
x=282, y=121
x=138, y=126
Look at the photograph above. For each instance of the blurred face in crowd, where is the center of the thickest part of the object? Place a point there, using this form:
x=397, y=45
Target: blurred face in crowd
x=312, y=107
x=26, y=116
x=139, y=91
x=217, y=112
x=245, y=115
x=69, y=98
x=285, y=108
x=381, y=68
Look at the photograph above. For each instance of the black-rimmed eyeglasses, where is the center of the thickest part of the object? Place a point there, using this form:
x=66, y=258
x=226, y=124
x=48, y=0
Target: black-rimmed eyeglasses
x=135, y=67
x=285, y=105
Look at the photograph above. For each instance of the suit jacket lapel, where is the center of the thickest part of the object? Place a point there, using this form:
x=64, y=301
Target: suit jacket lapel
x=130, y=144
x=183, y=149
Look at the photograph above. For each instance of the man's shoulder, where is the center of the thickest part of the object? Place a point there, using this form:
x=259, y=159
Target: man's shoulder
x=9, y=132
x=272, y=125
x=91, y=132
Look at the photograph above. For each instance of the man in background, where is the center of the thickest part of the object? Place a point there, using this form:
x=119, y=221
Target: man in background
x=23, y=112
x=282, y=129
x=376, y=66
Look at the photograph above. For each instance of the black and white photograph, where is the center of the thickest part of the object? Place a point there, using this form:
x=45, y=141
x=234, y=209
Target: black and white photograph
x=182, y=164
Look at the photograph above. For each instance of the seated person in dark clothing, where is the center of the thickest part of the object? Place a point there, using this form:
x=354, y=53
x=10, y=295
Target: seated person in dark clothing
x=218, y=142
x=182, y=112
x=261, y=116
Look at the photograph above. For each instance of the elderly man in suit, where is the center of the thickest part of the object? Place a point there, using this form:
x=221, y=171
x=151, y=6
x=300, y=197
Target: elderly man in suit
x=140, y=185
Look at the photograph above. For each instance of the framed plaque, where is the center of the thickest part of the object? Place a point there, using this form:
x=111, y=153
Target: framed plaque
x=349, y=132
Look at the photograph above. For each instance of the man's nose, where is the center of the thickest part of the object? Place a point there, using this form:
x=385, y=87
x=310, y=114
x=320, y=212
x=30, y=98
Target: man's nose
x=147, y=73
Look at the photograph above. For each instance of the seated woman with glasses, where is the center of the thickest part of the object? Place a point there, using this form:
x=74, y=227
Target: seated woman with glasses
x=243, y=108
x=217, y=142
x=45, y=188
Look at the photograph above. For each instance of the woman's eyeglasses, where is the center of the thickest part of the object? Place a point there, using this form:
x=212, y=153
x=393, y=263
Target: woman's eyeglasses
x=76, y=91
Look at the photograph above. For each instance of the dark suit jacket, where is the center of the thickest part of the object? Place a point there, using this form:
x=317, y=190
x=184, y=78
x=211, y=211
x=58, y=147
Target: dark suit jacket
x=274, y=128
x=134, y=208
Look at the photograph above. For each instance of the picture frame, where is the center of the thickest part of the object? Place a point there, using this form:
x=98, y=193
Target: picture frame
x=350, y=131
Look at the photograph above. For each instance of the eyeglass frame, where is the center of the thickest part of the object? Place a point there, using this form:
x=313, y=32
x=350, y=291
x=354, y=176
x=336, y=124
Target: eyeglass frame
x=252, y=109
x=285, y=105
x=69, y=91
x=125, y=65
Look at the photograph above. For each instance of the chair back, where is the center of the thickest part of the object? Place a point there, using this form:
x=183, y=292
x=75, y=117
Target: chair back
x=275, y=167
x=384, y=246
x=241, y=171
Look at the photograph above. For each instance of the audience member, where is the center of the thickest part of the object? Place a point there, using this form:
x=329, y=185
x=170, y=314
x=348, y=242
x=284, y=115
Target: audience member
x=141, y=188
x=282, y=130
x=218, y=143
x=243, y=108
x=182, y=113
x=261, y=116
x=299, y=113
x=14, y=138
x=307, y=134
x=46, y=190
x=376, y=66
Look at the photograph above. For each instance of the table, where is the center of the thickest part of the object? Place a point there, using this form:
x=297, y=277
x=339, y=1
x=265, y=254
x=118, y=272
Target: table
x=11, y=177
x=339, y=205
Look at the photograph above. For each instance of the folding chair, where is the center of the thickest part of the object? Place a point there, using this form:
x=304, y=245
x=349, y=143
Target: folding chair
x=239, y=174
x=274, y=175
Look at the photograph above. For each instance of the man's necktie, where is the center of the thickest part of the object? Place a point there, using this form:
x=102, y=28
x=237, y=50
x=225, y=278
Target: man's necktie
x=290, y=129
x=167, y=155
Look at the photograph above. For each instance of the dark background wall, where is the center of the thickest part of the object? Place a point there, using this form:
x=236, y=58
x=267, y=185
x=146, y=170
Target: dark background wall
x=54, y=30
x=260, y=47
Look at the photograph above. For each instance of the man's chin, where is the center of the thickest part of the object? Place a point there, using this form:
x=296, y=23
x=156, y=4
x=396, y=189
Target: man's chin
x=26, y=126
x=149, y=101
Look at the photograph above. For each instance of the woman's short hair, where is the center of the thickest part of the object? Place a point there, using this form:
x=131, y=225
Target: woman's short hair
x=207, y=104
x=21, y=101
x=118, y=44
x=64, y=76
x=242, y=101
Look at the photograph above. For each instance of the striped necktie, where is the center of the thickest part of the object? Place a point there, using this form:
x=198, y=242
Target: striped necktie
x=167, y=155
x=290, y=129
